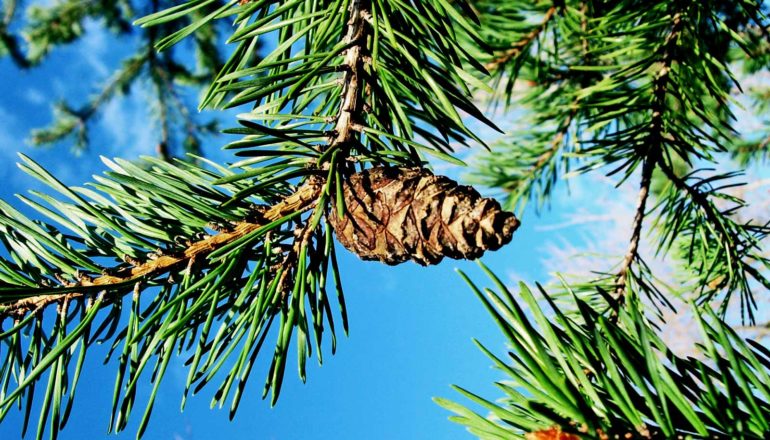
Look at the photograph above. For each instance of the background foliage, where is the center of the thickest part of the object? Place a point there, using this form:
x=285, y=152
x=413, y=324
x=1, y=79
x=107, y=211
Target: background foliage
x=28, y=35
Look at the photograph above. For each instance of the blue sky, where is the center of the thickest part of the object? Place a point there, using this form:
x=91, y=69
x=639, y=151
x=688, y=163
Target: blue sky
x=411, y=327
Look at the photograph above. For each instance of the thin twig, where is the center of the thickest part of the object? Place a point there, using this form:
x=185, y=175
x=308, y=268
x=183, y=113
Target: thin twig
x=187, y=119
x=709, y=210
x=162, y=148
x=556, y=144
x=636, y=232
x=713, y=217
x=518, y=47
x=158, y=70
x=163, y=145
x=654, y=146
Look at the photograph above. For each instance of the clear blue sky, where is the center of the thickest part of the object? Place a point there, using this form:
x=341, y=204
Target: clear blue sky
x=411, y=327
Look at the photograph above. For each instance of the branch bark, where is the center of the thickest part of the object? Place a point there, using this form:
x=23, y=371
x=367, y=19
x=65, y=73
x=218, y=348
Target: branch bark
x=636, y=232
x=351, y=103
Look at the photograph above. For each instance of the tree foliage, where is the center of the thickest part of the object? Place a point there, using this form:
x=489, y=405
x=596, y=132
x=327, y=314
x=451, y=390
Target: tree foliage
x=29, y=38
x=602, y=376
x=643, y=92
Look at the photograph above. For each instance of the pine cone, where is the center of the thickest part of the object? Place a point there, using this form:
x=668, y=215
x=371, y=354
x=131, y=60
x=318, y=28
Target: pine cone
x=396, y=214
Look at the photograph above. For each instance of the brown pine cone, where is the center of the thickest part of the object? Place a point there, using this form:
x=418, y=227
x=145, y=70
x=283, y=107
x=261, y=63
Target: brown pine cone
x=396, y=214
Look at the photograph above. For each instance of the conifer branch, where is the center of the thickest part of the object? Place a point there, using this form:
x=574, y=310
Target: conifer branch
x=664, y=73
x=347, y=125
x=655, y=147
x=48, y=27
x=303, y=199
x=320, y=103
x=556, y=144
x=717, y=221
x=76, y=120
x=518, y=48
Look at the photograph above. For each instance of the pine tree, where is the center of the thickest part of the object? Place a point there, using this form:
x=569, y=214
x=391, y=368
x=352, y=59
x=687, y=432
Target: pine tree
x=347, y=103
